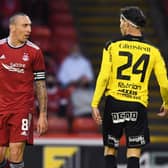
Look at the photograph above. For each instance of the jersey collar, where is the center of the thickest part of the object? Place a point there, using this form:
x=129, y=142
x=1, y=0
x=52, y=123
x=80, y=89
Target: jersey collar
x=9, y=43
x=133, y=38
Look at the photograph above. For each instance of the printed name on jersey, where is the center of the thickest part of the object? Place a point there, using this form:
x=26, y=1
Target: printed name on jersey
x=14, y=67
x=135, y=47
x=120, y=117
x=39, y=75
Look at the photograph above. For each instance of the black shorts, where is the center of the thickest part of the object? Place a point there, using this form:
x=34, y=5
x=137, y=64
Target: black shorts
x=129, y=117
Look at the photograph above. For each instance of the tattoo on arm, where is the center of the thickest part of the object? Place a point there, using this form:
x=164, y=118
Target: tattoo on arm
x=41, y=92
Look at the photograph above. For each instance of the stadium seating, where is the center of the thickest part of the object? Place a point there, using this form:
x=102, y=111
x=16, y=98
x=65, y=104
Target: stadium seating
x=63, y=32
x=165, y=6
x=63, y=38
x=61, y=23
x=84, y=125
x=64, y=19
x=60, y=48
x=58, y=6
x=41, y=35
x=9, y=8
x=55, y=125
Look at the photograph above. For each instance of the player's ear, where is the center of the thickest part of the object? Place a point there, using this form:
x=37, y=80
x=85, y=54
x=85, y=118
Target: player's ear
x=127, y=25
x=12, y=27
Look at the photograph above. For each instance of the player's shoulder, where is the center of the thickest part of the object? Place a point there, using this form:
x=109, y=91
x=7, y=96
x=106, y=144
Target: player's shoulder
x=148, y=42
x=3, y=41
x=110, y=42
x=32, y=45
x=141, y=41
x=152, y=46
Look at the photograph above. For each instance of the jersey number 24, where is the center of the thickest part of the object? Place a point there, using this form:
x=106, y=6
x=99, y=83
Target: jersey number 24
x=143, y=59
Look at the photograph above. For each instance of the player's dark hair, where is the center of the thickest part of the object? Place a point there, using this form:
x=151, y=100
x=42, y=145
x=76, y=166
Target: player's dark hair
x=12, y=19
x=135, y=15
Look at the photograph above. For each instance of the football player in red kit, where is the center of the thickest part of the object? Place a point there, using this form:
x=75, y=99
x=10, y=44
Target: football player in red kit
x=21, y=66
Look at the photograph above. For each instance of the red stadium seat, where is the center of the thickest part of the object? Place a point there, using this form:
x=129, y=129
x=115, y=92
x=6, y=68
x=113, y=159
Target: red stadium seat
x=60, y=48
x=84, y=125
x=67, y=32
x=64, y=19
x=63, y=39
x=41, y=35
x=59, y=6
x=57, y=125
x=61, y=45
x=9, y=8
x=39, y=30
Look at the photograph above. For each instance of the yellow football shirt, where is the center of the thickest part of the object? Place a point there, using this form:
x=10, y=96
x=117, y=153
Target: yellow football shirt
x=125, y=71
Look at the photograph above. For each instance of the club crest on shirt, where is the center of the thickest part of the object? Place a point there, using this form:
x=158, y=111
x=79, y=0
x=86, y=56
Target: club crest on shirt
x=25, y=57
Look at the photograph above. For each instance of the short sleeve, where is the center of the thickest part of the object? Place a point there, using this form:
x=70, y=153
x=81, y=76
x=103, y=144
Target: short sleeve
x=39, y=66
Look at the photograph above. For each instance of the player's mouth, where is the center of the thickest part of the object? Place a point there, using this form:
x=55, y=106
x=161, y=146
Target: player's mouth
x=26, y=36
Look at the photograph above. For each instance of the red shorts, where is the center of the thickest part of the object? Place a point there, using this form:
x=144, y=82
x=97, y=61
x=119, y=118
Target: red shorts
x=16, y=127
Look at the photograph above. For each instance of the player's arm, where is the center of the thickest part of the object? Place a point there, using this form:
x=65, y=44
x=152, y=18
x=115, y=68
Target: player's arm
x=41, y=92
x=103, y=78
x=101, y=84
x=161, y=75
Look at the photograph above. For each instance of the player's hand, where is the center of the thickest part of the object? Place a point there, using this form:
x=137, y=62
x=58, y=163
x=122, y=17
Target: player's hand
x=163, y=112
x=96, y=115
x=42, y=124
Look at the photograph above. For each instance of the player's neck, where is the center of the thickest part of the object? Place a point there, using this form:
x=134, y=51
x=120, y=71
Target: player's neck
x=14, y=42
x=134, y=32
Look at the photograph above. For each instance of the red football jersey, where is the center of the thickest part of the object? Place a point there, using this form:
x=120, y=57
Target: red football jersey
x=19, y=67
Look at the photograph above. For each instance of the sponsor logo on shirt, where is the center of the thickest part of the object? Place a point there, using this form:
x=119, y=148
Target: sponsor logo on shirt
x=24, y=133
x=14, y=67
